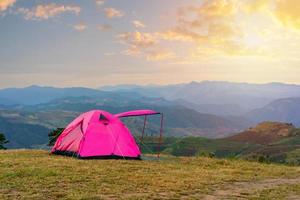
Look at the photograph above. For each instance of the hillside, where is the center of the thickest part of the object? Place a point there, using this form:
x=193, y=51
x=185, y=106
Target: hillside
x=280, y=142
x=23, y=135
x=265, y=133
x=32, y=174
x=267, y=142
x=283, y=110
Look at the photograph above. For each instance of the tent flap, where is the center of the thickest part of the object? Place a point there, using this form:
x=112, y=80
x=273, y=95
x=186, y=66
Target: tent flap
x=137, y=113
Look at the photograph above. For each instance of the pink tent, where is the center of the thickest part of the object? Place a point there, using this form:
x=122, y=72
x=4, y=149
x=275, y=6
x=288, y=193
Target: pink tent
x=100, y=134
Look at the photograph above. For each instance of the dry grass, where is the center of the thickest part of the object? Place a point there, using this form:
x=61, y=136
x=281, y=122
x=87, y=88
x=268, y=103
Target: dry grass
x=32, y=174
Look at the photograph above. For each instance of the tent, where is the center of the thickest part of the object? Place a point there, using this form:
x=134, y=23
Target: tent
x=100, y=134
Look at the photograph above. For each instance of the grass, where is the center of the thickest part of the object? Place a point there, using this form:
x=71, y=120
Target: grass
x=33, y=174
x=279, y=193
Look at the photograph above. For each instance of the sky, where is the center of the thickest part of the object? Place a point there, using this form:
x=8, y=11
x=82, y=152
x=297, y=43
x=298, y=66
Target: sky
x=92, y=43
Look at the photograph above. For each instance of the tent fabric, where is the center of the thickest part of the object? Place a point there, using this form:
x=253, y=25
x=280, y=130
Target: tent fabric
x=137, y=113
x=96, y=134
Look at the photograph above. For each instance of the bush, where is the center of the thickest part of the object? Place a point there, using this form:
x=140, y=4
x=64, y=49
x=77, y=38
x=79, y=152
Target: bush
x=2, y=141
x=53, y=135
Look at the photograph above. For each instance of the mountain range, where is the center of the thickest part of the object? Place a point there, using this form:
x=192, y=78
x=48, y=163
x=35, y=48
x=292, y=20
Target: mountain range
x=209, y=109
x=207, y=95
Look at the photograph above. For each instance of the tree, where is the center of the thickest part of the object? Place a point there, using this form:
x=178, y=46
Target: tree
x=2, y=141
x=53, y=135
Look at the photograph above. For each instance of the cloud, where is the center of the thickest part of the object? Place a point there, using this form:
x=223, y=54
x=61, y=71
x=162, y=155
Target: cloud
x=46, y=11
x=159, y=54
x=222, y=28
x=210, y=25
x=138, y=24
x=99, y=2
x=138, y=39
x=144, y=45
x=80, y=27
x=5, y=4
x=252, y=6
x=287, y=12
x=113, y=13
x=105, y=27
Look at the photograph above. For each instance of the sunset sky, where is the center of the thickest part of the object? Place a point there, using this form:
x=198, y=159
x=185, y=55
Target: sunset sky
x=104, y=42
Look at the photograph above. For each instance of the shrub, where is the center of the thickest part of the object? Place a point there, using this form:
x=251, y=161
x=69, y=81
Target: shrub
x=2, y=141
x=53, y=135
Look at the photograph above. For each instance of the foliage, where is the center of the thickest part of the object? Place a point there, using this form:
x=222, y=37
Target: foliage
x=2, y=141
x=53, y=135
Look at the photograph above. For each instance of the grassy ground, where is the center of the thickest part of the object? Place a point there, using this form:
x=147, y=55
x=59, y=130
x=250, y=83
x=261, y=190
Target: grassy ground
x=32, y=174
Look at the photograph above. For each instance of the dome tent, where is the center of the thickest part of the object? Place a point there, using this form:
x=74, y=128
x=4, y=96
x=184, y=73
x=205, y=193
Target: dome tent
x=99, y=134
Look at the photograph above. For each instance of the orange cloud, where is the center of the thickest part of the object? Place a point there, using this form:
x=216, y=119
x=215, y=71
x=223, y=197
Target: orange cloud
x=145, y=45
x=5, y=4
x=212, y=24
x=138, y=24
x=43, y=12
x=288, y=13
x=113, y=13
x=251, y=6
x=217, y=28
x=80, y=27
x=159, y=54
x=138, y=39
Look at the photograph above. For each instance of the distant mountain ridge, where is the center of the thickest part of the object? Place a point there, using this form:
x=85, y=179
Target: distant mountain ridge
x=220, y=93
x=36, y=94
x=282, y=110
x=208, y=109
x=179, y=120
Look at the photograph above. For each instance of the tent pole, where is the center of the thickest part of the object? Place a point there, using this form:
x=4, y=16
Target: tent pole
x=160, y=135
x=143, y=132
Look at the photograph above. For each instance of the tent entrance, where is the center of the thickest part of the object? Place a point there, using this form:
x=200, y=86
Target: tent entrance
x=71, y=141
x=145, y=113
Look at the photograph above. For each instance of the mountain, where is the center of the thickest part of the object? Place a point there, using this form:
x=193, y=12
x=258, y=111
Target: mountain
x=215, y=109
x=213, y=97
x=265, y=133
x=280, y=142
x=208, y=109
x=23, y=135
x=283, y=110
x=7, y=102
x=30, y=129
x=178, y=120
x=37, y=94
x=267, y=142
x=207, y=95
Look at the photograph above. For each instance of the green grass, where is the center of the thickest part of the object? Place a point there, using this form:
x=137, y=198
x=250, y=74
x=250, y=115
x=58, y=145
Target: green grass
x=32, y=174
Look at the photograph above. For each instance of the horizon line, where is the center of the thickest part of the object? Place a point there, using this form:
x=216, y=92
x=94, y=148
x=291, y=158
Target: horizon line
x=150, y=84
